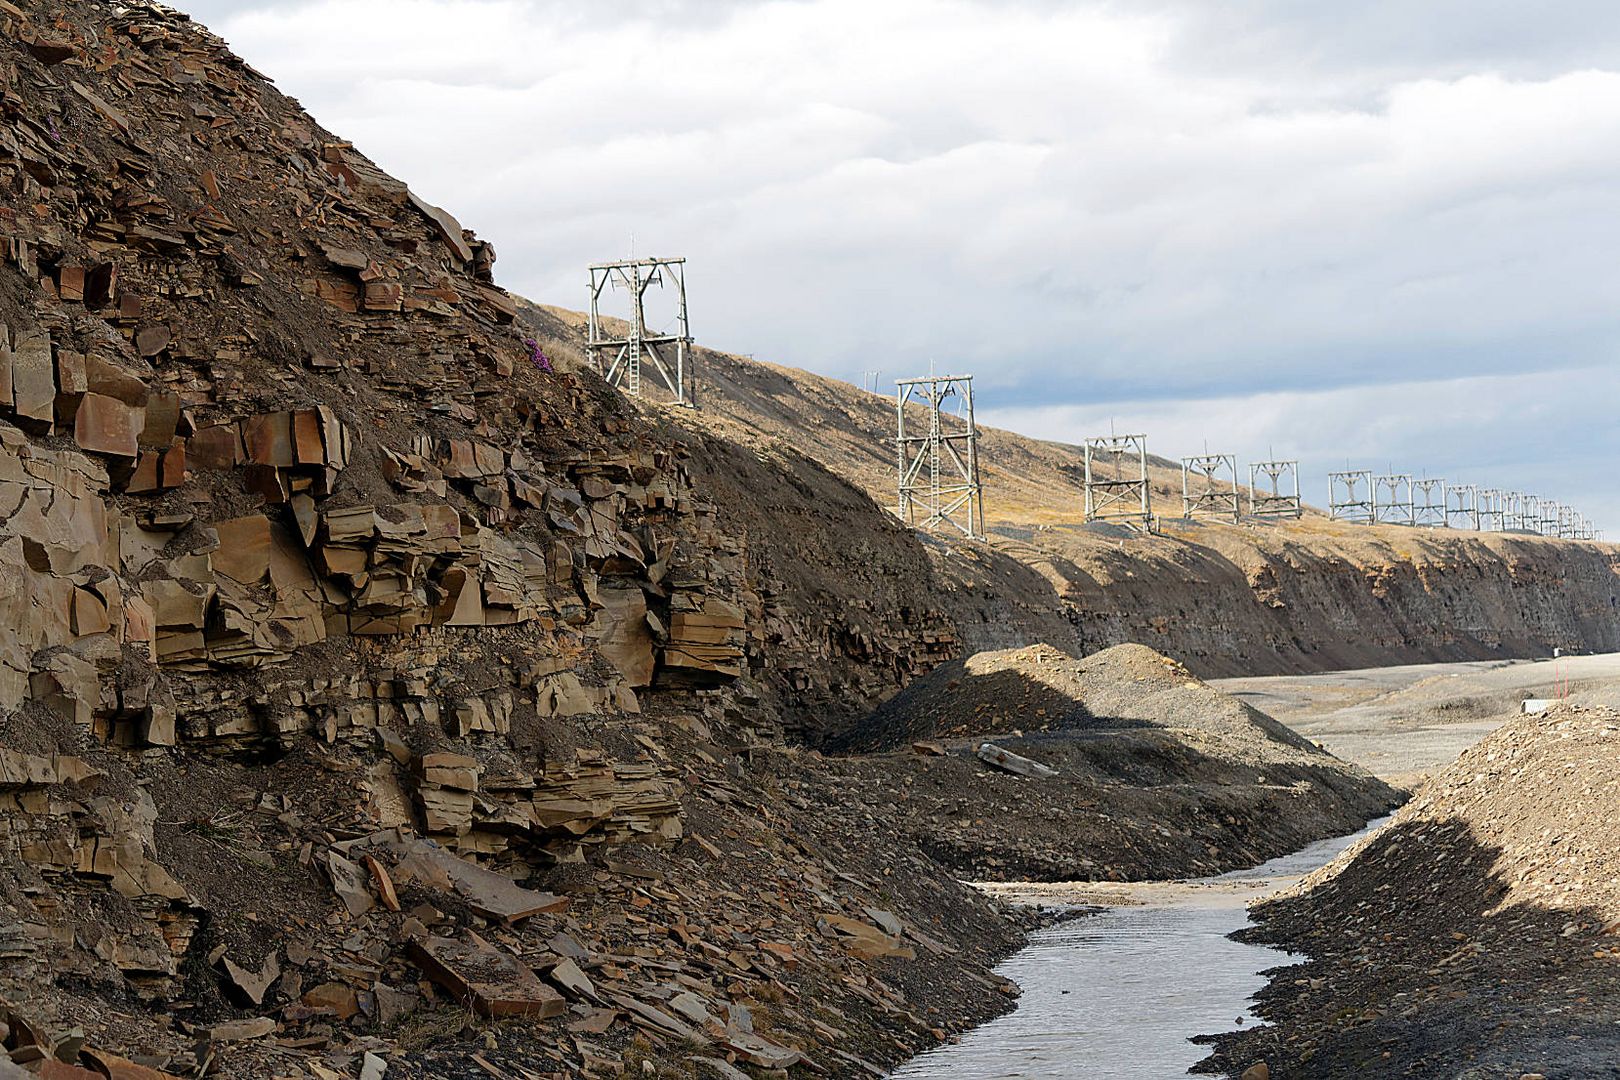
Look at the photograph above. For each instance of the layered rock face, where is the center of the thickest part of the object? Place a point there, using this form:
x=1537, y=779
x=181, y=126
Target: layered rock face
x=1280, y=598
x=263, y=400
x=304, y=563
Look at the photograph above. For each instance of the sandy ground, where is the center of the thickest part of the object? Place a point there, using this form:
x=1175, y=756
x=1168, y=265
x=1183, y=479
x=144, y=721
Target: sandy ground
x=1400, y=723
x=1199, y=892
x=1403, y=723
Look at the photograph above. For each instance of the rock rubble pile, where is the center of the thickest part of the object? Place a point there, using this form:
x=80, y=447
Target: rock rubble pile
x=1473, y=935
x=1027, y=764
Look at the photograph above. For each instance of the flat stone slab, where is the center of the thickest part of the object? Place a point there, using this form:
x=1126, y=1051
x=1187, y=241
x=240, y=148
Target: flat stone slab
x=492, y=895
x=483, y=977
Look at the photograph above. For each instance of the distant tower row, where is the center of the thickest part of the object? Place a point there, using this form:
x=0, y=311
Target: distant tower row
x=939, y=460
x=1116, y=486
x=939, y=481
x=1397, y=499
x=938, y=469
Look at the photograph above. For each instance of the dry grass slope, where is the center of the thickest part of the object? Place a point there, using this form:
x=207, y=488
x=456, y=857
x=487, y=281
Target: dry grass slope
x=1258, y=597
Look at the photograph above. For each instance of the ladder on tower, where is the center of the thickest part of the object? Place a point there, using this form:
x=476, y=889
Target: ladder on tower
x=632, y=362
x=632, y=358
x=934, y=448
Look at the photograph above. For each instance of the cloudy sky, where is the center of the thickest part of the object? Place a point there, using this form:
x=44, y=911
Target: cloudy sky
x=1381, y=234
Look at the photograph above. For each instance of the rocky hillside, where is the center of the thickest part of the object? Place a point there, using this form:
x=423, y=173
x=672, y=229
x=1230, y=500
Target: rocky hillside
x=1474, y=935
x=1252, y=598
x=354, y=665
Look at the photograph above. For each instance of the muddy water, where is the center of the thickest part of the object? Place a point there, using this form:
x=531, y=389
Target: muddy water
x=1120, y=993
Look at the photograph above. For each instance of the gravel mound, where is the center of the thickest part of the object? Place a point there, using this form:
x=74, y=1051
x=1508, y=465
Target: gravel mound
x=1154, y=774
x=1477, y=934
x=1041, y=689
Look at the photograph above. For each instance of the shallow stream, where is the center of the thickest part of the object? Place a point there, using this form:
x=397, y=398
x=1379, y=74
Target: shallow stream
x=1119, y=994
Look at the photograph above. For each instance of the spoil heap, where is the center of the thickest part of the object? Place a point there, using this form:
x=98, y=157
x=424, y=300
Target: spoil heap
x=1038, y=689
x=1472, y=936
x=1157, y=773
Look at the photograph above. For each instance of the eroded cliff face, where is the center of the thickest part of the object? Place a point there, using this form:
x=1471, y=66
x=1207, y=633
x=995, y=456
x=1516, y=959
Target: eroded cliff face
x=305, y=563
x=1266, y=600
x=1257, y=597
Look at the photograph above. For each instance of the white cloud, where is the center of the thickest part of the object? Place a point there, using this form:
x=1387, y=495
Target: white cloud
x=1084, y=202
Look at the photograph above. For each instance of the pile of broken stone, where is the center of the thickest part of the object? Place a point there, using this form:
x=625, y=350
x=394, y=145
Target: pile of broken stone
x=688, y=954
x=353, y=670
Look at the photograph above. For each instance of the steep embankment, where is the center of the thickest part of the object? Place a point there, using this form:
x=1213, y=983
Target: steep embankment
x=1252, y=598
x=1472, y=936
x=353, y=670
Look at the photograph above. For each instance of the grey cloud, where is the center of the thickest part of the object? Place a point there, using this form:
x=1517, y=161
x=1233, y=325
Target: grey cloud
x=1433, y=38
x=1092, y=202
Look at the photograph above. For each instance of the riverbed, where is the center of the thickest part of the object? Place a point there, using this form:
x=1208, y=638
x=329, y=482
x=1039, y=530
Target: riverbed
x=1118, y=994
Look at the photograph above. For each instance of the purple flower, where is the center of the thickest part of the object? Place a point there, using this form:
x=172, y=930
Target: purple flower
x=537, y=357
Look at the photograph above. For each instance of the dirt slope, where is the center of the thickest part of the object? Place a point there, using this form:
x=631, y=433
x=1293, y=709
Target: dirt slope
x=1040, y=689
x=1474, y=935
